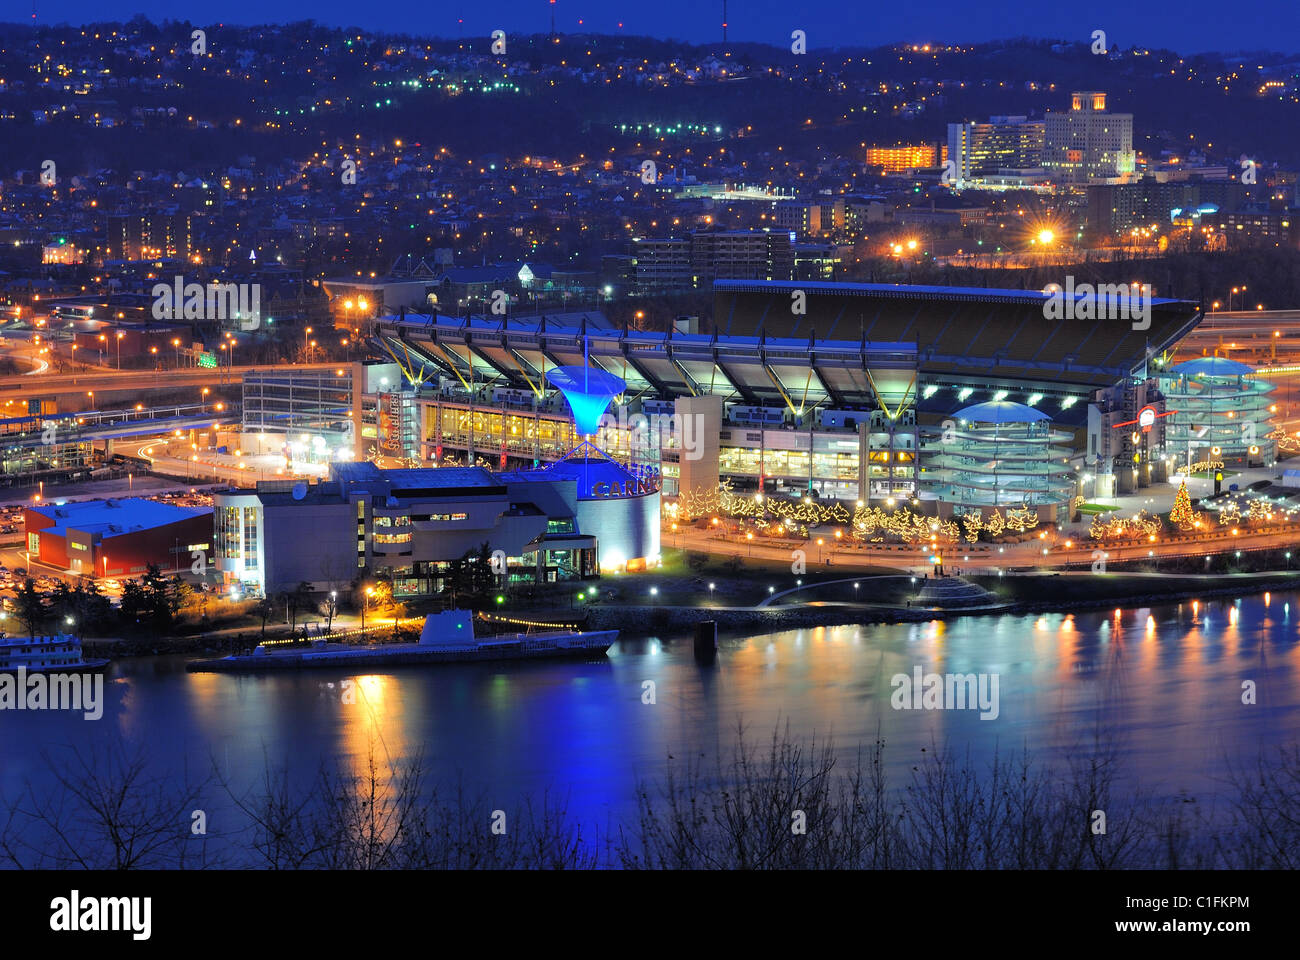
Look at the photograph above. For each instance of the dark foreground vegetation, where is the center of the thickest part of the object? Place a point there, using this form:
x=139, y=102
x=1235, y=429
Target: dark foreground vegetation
x=788, y=805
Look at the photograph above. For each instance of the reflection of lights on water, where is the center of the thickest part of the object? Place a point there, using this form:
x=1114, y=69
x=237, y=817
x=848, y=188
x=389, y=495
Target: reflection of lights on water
x=1151, y=623
x=1067, y=625
x=1233, y=613
x=1040, y=623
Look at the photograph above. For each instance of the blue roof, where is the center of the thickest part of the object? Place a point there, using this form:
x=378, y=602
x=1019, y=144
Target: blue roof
x=111, y=518
x=416, y=478
x=1212, y=367
x=1000, y=411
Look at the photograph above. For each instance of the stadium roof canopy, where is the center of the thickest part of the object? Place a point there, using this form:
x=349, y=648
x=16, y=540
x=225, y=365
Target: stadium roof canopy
x=961, y=331
x=856, y=346
x=794, y=371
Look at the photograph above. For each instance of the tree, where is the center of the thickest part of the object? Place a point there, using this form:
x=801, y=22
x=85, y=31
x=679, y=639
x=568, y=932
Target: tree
x=484, y=580
x=266, y=610
x=158, y=594
x=176, y=592
x=1182, y=515
x=470, y=576
x=83, y=605
x=30, y=604
x=135, y=602
x=456, y=579
x=299, y=599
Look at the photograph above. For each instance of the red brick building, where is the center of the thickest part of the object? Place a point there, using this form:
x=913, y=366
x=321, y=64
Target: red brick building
x=111, y=538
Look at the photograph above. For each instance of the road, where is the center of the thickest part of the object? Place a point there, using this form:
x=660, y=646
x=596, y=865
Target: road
x=1035, y=554
x=135, y=381
x=204, y=466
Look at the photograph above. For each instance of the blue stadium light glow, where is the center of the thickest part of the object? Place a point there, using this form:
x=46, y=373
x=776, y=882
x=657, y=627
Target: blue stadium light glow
x=588, y=391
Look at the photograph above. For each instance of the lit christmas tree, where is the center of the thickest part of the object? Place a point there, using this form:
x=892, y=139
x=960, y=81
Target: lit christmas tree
x=1182, y=515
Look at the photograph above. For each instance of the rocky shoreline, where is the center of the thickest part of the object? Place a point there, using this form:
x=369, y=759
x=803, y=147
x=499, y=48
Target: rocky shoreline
x=119, y=647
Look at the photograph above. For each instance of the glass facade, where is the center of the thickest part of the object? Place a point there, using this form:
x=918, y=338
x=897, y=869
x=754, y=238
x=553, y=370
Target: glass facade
x=236, y=542
x=998, y=465
x=1218, y=417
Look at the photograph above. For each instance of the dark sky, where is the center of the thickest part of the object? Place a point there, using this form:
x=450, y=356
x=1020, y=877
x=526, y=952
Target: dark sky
x=1188, y=26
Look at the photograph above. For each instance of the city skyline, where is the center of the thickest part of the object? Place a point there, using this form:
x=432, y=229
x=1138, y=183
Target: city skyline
x=423, y=452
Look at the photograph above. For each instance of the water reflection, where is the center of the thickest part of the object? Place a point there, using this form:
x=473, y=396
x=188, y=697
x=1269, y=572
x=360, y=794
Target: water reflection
x=1163, y=686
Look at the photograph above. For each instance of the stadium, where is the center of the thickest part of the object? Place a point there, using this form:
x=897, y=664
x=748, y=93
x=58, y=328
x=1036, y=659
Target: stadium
x=955, y=398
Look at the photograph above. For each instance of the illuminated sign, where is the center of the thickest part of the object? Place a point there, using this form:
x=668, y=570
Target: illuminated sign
x=634, y=487
x=391, y=422
x=1146, y=419
x=1202, y=466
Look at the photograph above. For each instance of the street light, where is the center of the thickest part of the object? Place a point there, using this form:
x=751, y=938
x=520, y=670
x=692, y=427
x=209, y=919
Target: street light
x=365, y=602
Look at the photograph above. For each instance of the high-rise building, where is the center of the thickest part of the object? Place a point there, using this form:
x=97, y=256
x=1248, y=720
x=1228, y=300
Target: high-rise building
x=1087, y=143
x=147, y=236
x=689, y=262
x=742, y=255
x=804, y=217
x=1004, y=143
x=661, y=264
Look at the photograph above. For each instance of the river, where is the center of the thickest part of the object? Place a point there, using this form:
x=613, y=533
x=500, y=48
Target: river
x=1165, y=684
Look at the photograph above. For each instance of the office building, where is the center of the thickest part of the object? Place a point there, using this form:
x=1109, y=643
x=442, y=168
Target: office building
x=1002, y=144
x=1087, y=143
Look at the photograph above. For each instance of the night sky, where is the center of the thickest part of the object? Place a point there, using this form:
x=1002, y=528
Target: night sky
x=1189, y=26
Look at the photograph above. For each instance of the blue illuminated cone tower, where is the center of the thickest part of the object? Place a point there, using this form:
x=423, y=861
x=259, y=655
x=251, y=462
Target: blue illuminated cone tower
x=588, y=391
